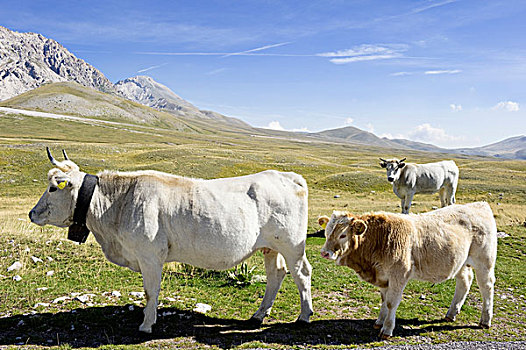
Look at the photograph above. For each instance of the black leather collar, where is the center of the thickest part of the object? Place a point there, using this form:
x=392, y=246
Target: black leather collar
x=79, y=232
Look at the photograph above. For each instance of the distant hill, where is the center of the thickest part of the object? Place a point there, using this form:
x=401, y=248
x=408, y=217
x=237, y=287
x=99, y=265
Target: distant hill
x=511, y=148
x=70, y=98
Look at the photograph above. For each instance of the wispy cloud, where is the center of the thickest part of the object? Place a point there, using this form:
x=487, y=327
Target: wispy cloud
x=401, y=74
x=266, y=47
x=431, y=6
x=437, y=72
x=365, y=52
x=150, y=68
x=508, y=106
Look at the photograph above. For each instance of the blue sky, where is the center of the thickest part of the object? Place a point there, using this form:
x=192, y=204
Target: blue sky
x=447, y=72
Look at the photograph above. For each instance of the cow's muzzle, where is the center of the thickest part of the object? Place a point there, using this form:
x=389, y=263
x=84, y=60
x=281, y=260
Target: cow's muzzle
x=390, y=179
x=326, y=254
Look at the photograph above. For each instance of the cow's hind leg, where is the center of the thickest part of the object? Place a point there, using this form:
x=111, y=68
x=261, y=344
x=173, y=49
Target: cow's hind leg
x=276, y=271
x=442, y=193
x=486, y=283
x=464, y=278
x=301, y=271
x=151, y=275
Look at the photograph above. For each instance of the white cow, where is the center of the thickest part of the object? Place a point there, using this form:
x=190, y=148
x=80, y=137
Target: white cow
x=143, y=219
x=411, y=178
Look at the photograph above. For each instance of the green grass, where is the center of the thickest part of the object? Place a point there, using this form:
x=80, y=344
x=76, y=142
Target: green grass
x=345, y=307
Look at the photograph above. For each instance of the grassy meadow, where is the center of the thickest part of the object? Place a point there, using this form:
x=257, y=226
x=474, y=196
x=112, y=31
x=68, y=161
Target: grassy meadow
x=42, y=308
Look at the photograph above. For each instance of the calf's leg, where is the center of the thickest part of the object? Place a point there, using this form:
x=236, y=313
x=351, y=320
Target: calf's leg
x=393, y=297
x=275, y=269
x=464, y=278
x=383, y=310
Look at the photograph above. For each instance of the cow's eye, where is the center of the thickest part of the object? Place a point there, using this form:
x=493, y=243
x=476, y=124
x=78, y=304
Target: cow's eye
x=343, y=235
x=52, y=189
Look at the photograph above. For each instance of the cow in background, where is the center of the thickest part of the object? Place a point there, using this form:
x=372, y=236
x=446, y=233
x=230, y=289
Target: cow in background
x=411, y=178
x=387, y=250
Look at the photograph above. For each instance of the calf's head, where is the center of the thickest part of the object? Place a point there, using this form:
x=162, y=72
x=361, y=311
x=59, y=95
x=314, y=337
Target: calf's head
x=393, y=167
x=338, y=231
x=57, y=204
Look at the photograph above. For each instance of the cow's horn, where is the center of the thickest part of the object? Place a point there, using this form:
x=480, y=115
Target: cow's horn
x=383, y=160
x=403, y=160
x=65, y=155
x=51, y=159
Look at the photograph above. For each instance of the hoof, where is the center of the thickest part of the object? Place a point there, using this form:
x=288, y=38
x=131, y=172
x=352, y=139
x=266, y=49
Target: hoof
x=301, y=323
x=145, y=329
x=484, y=326
x=449, y=319
x=252, y=323
x=384, y=336
x=377, y=326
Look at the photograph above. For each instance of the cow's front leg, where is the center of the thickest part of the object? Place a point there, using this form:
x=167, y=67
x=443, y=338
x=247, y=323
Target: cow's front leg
x=393, y=296
x=407, y=202
x=151, y=276
x=383, y=310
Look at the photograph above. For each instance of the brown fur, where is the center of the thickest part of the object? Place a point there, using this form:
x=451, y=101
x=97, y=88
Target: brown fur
x=385, y=242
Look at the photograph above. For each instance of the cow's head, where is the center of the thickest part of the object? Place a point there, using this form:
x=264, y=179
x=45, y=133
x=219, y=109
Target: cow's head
x=57, y=204
x=393, y=167
x=338, y=230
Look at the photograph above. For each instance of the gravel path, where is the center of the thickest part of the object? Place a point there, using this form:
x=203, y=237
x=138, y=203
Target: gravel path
x=458, y=346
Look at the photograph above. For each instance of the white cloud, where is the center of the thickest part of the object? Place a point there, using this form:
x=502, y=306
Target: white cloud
x=446, y=71
x=369, y=127
x=401, y=74
x=274, y=125
x=507, y=106
x=365, y=52
x=349, y=121
x=455, y=107
x=427, y=133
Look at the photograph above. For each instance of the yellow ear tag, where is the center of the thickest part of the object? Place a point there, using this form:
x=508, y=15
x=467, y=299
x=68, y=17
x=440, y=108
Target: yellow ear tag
x=62, y=185
x=323, y=225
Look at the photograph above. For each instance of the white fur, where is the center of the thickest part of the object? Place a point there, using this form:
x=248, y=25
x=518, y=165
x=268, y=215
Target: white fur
x=429, y=178
x=146, y=218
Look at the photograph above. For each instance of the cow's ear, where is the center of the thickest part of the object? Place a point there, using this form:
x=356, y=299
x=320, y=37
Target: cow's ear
x=62, y=181
x=323, y=221
x=383, y=164
x=401, y=165
x=359, y=227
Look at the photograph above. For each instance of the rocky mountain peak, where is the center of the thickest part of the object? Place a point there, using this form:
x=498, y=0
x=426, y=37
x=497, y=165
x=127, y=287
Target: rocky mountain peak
x=29, y=60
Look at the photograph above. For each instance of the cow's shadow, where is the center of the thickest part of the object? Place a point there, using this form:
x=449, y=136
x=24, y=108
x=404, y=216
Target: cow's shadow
x=97, y=326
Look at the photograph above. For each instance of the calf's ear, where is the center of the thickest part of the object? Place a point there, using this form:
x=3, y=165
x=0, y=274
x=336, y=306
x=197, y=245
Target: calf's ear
x=323, y=221
x=401, y=165
x=359, y=227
